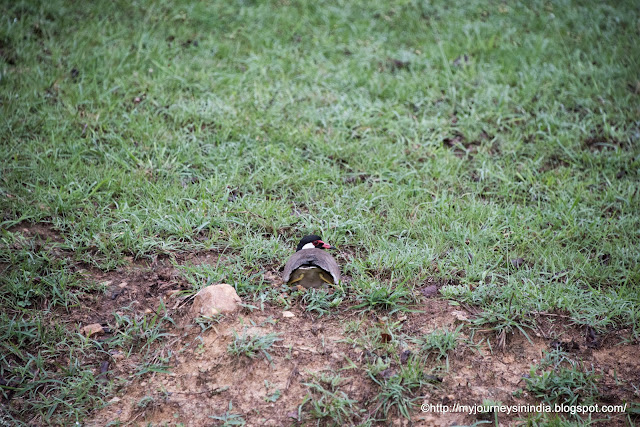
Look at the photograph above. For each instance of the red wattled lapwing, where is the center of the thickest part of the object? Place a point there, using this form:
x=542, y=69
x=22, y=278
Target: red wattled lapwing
x=311, y=266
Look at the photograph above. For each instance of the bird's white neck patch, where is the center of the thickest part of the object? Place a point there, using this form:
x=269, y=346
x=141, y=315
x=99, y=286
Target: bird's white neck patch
x=308, y=246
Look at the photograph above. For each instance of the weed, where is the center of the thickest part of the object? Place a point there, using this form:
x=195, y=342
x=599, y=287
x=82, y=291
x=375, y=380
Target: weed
x=399, y=390
x=321, y=301
x=439, y=343
x=229, y=419
x=274, y=396
x=566, y=382
x=252, y=345
x=326, y=403
x=137, y=332
x=373, y=296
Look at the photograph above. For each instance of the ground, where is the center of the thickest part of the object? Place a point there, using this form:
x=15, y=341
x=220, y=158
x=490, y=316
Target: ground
x=202, y=379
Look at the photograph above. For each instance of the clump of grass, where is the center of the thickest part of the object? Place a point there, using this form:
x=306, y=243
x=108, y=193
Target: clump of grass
x=380, y=338
x=559, y=379
x=37, y=279
x=208, y=322
x=275, y=392
x=553, y=420
x=326, y=403
x=438, y=343
x=138, y=332
x=399, y=390
x=145, y=402
x=321, y=301
x=252, y=345
x=229, y=419
x=378, y=296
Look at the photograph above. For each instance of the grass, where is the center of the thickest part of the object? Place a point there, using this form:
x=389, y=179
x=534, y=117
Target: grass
x=438, y=343
x=321, y=301
x=326, y=403
x=229, y=418
x=252, y=345
x=399, y=391
x=566, y=383
x=425, y=139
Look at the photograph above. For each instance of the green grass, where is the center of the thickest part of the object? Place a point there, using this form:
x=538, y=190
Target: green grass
x=252, y=345
x=229, y=418
x=321, y=301
x=437, y=343
x=423, y=138
x=399, y=392
x=326, y=403
x=566, y=383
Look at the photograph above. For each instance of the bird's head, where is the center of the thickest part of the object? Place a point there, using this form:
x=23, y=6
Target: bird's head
x=313, y=241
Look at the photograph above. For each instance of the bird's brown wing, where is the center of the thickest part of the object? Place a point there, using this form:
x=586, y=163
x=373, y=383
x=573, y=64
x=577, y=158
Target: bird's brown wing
x=313, y=257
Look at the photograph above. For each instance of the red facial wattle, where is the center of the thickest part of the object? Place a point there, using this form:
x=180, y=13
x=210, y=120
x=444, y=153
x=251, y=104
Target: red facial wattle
x=322, y=245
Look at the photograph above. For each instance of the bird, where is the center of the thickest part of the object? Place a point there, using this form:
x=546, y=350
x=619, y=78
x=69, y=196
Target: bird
x=311, y=266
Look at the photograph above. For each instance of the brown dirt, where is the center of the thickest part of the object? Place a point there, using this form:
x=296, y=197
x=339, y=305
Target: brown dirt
x=204, y=377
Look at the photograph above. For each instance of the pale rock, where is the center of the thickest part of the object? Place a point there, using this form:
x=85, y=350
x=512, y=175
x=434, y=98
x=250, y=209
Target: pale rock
x=93, y=329
x=288, y=314
x=215, y=299
x=117, y=355
x=460, y=315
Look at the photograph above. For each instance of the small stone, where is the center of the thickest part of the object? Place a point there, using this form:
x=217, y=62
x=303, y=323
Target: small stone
x=215, y=299
x=460, y=315
x=405, y=356
x=118, y=355
x=295, y=353
x=93, y=329
x=286, y=314
x=430, y=291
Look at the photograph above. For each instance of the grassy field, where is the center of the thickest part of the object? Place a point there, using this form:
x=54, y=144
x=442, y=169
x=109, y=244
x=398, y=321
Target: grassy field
x=489, y=148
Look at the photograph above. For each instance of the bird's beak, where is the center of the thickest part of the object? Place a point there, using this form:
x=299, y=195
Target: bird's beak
x=327, y=246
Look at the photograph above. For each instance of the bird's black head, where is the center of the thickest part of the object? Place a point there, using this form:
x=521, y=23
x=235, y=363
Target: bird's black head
x=315, y=240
